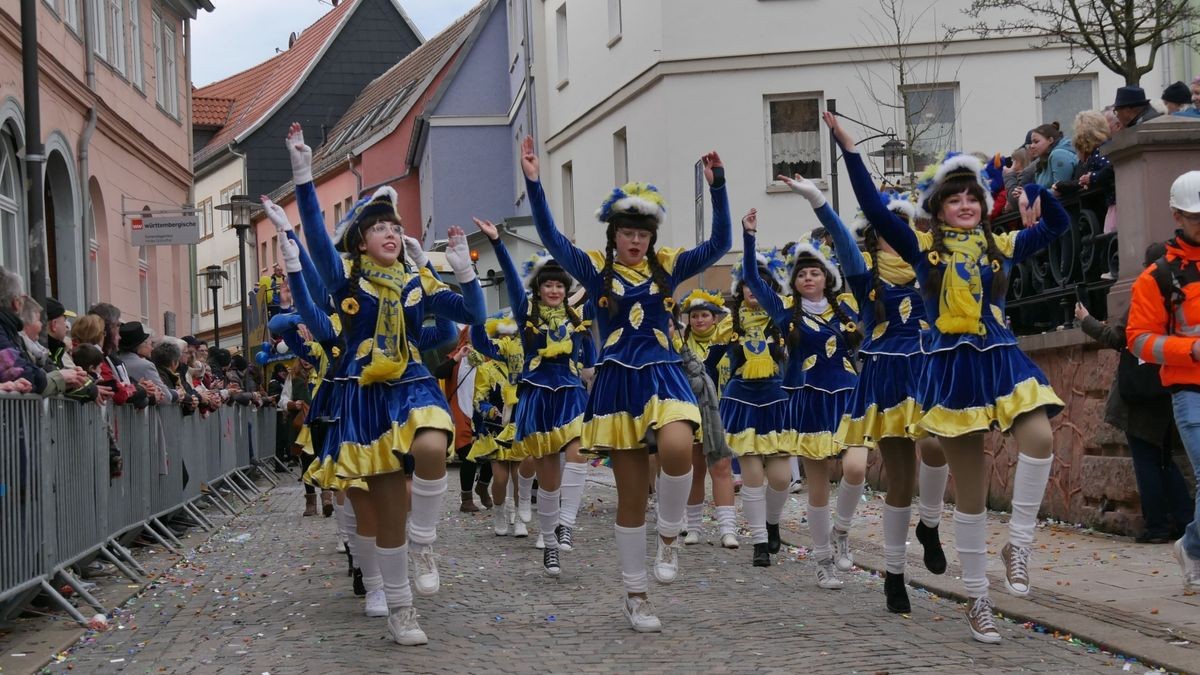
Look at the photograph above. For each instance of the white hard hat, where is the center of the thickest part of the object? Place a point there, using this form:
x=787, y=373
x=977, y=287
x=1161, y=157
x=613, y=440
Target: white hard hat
x=1185, y=192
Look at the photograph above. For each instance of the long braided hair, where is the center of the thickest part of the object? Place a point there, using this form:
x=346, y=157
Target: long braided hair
x=551, y=271
x=871, y=244
x=657, y=272
x=846, y=327
x=952, y=186
x=774, y=336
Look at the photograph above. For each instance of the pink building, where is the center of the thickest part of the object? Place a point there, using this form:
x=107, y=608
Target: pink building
x=116, y=123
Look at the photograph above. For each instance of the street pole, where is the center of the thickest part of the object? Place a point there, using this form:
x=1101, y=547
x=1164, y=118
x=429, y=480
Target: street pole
x=241, y=232
x=831, y=106
x=35, y=153
x=216, y=319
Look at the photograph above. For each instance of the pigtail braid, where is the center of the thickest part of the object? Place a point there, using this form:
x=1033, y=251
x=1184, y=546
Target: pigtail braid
x=999, y=277
x=872, y=243
x=606, y=275
x=934, y=287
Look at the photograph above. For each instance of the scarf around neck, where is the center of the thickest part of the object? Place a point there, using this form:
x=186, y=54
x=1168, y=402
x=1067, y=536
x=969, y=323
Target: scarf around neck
x=389, y=349
x=960, y=300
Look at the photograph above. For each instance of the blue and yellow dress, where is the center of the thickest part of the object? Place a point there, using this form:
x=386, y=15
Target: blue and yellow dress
x=753, y=404
x=494, y=395
x=819, y=376
x=550, y=395
x=884, y=401
x=640, y=384
x=975, y=377
x=380, y=393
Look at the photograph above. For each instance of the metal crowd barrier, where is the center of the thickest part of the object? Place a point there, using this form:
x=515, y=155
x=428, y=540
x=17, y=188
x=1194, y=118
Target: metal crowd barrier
x=60, y=504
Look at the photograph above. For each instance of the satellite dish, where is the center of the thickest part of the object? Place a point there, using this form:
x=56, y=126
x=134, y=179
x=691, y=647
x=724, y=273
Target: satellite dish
x=292, y=39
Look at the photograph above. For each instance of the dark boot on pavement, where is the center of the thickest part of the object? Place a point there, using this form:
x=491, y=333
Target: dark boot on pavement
x=310, y=504
x=468, y=503
x=896, y=593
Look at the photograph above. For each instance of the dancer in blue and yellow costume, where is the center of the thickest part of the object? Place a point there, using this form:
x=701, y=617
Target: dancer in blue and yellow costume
x=975, y=377
x=385, y=402
x=818, y=325
x=640, y=387
x=707, y=326
x=754, y=405
x=883, y=410
x=498, y=359
x=550, y=394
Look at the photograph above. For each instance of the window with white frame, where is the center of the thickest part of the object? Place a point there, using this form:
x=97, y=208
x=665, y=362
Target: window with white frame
x=166, y=75
x=53, y=5
x=136, y=68
x=144, y=283
x=108, y=32
x=794, y=130
x=932, y=122
x=204, y=211
x=275, y=250
x=568, y=199
x=12, y=198
x=262, y=257
x=70, y=14
x=203, y=295
x=227, y=196
x=337, y=213
x=561, y=35
x=232, y=288
x=1064, y=97
x=620, y=157
x=614, y=21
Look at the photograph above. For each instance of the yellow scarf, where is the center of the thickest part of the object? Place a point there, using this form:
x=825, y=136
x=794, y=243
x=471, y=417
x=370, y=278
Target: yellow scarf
x=700, y=341
x=509, y=347
x=389, y=346
x=555, y=324
x=894, y=270
x=756, y=349
x=960, y=305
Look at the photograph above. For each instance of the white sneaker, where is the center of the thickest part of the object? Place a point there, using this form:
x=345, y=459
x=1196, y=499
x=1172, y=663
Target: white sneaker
x=426, y=581
x=376, y=603
x=1189, y=566
x=519, y=529
x=1016, y=569
x=540, y=544
x=796, y=487
x=525, y=511
x=666, y=563
x=511, y=511
x=692, y=538
x=827, y=577
x=500, y=526
x=729, y=540
x=640, y=614
x=341, y=547
x=842, y=557
x=404, y=629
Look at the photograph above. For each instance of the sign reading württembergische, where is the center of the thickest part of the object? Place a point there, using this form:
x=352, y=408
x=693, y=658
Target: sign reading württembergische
x=165, y=230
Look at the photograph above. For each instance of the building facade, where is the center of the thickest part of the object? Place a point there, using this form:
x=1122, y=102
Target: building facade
x=116, y=125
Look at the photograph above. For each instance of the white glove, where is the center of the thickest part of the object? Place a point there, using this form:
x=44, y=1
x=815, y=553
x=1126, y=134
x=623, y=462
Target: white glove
x=458, y=254
x=278, y=218
x=300, y=155
x=290, y=251
x=415, y=252
x=807, y=189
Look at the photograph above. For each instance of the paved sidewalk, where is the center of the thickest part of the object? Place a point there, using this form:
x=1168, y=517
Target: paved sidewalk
x=1098, y=588
x=267, y=594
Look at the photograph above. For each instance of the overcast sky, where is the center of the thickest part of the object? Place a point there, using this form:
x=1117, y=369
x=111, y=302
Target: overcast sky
x=241, y=33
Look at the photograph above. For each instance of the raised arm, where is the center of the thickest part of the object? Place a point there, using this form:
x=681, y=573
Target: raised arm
x=890, y=226
x=311, y=313
x=848, y=255
x=767, y=298
x=325, y=257
x=311, y=279
x=470, y=307
x=512, y=278
x=481, y=343
x=573, y=259
x=1053, y=223
x=692, y=261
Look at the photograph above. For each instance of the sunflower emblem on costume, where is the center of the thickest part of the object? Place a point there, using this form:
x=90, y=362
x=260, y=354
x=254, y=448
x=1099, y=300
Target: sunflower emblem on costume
x=934, y=258
x=350, y=306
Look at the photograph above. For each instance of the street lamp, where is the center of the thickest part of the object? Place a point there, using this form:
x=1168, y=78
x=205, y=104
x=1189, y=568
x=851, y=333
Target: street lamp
x=893, y=157
x=241, y=208
x=214, y=279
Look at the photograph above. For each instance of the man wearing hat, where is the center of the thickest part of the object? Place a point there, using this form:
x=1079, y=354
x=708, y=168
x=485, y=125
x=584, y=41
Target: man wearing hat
x=1132, y=107
x=134, y=351
x=56, y=333
x=1178, y=100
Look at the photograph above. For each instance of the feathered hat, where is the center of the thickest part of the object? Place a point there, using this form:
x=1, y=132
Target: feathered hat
x=541, y=264
x=952, y=164
x=804, y=252
x=771, y=265
x=348, y=232
x=634, y=199
x=500, y=324
x=902, y=204
x=703, y=299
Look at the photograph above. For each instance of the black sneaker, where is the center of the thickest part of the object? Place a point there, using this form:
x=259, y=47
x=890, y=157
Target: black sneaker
x=762, y=556
x=773, y=541
x=359, y=589
x=550, y=564
x=566, y=538
x=935, y=558
x=350, y=568
x=896, y=593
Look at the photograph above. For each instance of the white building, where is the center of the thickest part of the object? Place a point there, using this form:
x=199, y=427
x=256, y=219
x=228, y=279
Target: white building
x=639, y=90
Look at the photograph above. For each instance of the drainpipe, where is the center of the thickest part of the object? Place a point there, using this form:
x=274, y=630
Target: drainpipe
x=35, y=153
x=87, y=220
x=194, y=305
x=358, y=179
x=241, y=251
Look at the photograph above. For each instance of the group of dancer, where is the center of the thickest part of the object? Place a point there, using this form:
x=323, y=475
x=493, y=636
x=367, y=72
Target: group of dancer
x=901, y=345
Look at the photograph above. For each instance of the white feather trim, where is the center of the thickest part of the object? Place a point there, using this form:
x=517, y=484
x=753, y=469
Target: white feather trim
x=955, y=164
x=805, y=249
x=636, y=205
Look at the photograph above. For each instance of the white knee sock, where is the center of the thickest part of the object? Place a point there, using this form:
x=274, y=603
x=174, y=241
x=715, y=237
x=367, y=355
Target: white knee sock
x=631, y=549
x=775, y=501
x=349, y=528
x=695, y=517
x=818, y=528
x=754, y=508
x=393, y=566
x=548, y=516
x=895, y=536
x=727, y=520
x=426, y=510
x=795, y=462
x=365, y=558
x=574, y=478
x=672, y=502
x=526, y=489
x=1029, y=486
x=970, y=540
x=339, y=521
x=848, y=497
x=931, y=481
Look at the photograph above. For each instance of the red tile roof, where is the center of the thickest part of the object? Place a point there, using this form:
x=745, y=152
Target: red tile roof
x=256, y=91
x=210, y=111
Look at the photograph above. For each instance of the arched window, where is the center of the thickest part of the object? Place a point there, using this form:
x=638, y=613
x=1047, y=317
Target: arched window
x=12, y=205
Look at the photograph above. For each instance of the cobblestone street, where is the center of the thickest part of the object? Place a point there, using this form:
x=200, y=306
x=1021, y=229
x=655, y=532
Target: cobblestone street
x=268, y=594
